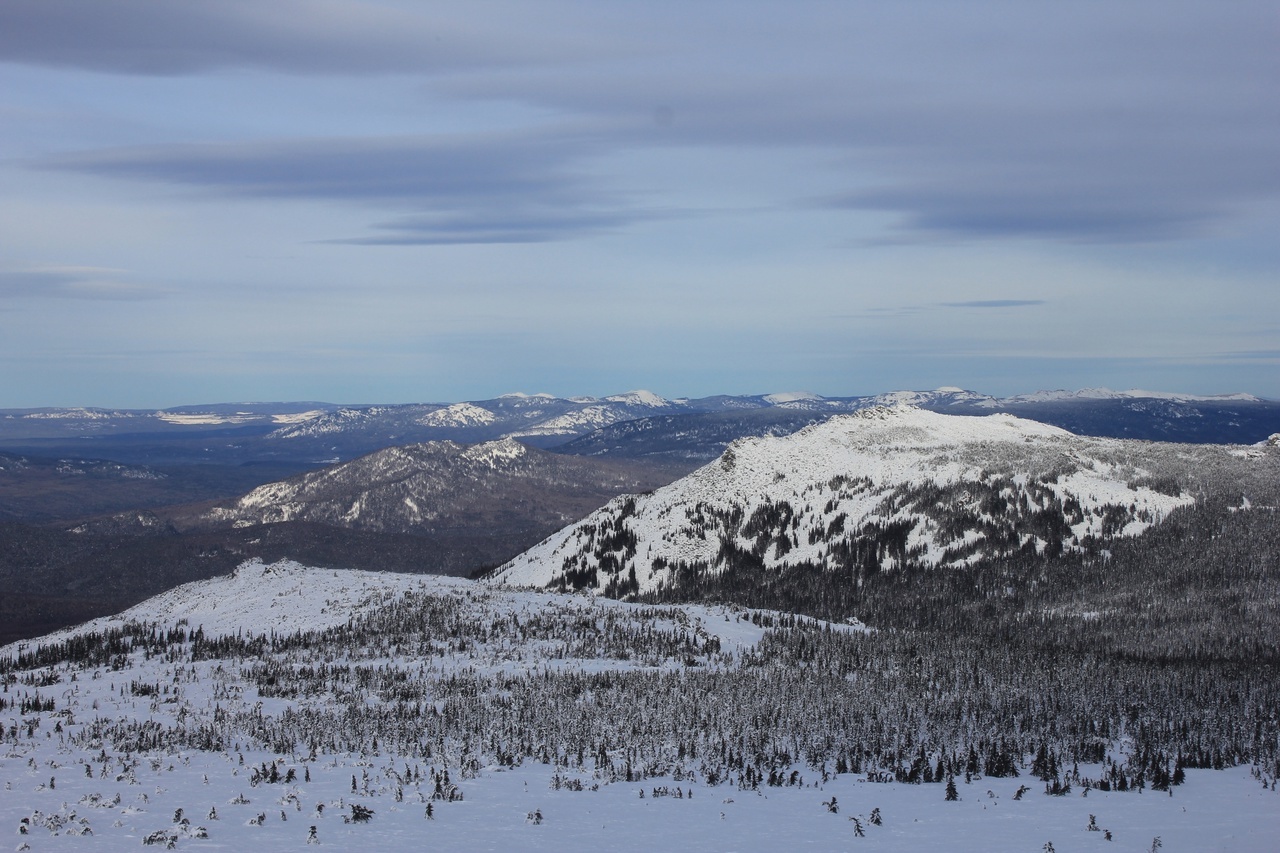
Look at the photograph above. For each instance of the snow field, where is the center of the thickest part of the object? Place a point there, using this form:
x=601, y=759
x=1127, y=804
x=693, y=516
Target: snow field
x=1213, y=811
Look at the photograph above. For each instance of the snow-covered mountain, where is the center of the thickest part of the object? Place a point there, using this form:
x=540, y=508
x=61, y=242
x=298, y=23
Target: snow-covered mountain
x=703, y=435
x=877, y=490
x=634, y=423
x=496, y=488
x=536, y=418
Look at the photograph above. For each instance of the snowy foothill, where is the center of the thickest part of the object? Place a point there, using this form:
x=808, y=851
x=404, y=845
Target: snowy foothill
x=283, y=597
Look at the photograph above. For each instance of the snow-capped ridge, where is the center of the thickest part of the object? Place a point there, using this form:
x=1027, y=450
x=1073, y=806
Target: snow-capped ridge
x=1132, y=394
x=792, y=397
x=458, y=415
x=640, y=398
x=946, y=395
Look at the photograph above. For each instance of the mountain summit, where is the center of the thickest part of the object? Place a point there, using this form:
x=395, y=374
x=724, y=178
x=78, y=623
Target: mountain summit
x=872, y=491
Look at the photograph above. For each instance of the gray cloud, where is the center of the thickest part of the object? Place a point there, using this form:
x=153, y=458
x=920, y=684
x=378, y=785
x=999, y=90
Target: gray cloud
x=1087, y=121
x=499, y=188
x=72, y=283
x=1080, y=122
x=499, y=227
x=157, y=37
x=443, y=169
x=995, y=303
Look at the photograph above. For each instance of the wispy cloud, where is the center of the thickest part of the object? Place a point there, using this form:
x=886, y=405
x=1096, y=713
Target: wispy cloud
x=73, y=283
x=495, y=188
x=1260, y=355
x=538, y=226
x=995, y=303
x=155, y=37
x=442, y=169
x=1071, y=131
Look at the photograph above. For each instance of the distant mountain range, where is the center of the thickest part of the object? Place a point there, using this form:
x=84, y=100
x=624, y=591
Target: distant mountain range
x=636, y=423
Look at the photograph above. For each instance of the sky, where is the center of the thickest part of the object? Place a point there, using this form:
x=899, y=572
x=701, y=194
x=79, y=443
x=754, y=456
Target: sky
x=230, y=200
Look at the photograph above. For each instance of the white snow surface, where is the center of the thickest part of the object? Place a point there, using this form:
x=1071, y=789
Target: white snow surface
x=297, y=417
x=571, y=423
x=1213, y=812
x=395, y=469
x=206, y=418
x=329, y=423
x=77, y=414
x=946, y=393
x=790, y=397
x=889, y=446
x=458, y=415
x=254, y=599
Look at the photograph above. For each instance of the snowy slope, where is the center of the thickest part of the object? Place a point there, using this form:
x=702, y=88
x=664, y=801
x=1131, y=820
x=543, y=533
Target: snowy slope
x=888, y=485
x=258, y=599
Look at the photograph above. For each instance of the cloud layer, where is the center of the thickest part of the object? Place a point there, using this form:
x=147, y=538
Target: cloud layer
x=1089, y=122
x=757, y=187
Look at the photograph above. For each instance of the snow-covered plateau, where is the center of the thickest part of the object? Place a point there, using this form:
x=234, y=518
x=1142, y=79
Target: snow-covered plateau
x=284, y=706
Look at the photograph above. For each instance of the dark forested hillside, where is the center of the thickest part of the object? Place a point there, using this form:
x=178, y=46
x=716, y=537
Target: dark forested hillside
x=1203, y=585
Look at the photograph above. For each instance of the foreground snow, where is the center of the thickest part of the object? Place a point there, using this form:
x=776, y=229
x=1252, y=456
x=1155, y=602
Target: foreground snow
x=1214, y=811
x=66, y=790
